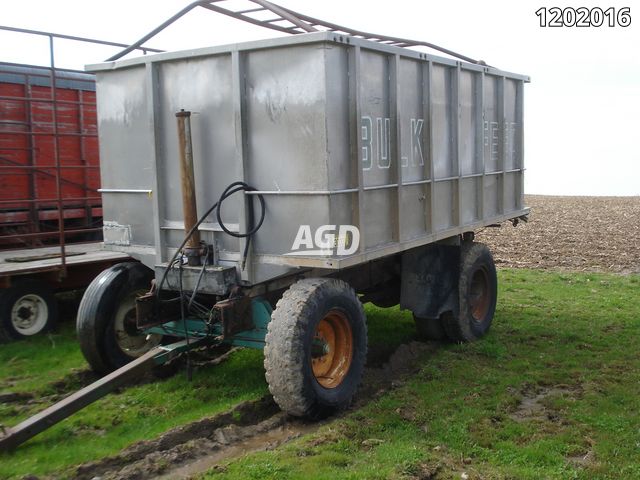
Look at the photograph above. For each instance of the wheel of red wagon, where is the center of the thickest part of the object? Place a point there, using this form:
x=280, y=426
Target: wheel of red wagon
x=27, y=309
x=478, y=293
x=316, y=347
x=106, y=323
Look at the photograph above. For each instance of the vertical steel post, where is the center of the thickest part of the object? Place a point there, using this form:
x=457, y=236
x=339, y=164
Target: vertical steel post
x=189, y=207
x=83, y=160
x=519, y=143
x=456, y=106
x=238, y=79
x=56, y=154
x=34, y=211
x=396, y=120
x=502, y=159
x=431, y=153
x=481, y=166
x=355, y=115
x=158, y=154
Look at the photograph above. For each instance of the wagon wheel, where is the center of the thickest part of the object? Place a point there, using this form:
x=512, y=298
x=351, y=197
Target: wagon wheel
x=27, y=309
x=477, y=292
x=316, y=347
x=106, y=322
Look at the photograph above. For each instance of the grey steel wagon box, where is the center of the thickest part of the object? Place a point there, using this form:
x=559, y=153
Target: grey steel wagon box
x=331, y=129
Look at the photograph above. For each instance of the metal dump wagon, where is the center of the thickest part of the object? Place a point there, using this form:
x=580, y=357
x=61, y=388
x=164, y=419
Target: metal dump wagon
x=271, y=188
x=374, y=164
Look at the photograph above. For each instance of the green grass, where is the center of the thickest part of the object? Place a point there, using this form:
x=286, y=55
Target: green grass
x=139, y=412
x=28, y=366
x=576, y=336
x=577, y=333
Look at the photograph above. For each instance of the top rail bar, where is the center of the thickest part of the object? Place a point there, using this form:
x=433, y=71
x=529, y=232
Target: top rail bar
x=77, y=39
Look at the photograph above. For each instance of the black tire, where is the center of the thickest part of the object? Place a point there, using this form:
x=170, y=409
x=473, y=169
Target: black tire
x=430, y=329
x=108, y=300
x=304, y=309
x=27, y=308
x=478, y=293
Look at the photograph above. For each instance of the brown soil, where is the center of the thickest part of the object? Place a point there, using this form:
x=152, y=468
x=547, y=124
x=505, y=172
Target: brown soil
x=185, y=451
x=534, y=403
x=598, y=234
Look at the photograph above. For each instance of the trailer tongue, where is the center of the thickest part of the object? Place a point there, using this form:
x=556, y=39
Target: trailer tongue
x=14, y=436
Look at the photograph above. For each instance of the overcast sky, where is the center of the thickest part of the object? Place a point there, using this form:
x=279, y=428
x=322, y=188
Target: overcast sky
x=582, y=108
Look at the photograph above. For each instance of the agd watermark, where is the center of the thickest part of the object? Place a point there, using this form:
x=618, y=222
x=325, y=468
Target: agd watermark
x=327, y=240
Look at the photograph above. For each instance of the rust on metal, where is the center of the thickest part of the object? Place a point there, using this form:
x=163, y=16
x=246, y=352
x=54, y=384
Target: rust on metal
x=480, y=295
x=189, y=207
x=332, y=349
x=151, y=312
x=235, y=315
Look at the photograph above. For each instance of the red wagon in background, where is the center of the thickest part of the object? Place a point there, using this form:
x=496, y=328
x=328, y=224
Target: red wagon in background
x=50, y=203
x=49, y=167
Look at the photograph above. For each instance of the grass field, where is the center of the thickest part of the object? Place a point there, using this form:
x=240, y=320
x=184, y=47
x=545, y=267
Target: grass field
x=104, y=428
x=551, y=392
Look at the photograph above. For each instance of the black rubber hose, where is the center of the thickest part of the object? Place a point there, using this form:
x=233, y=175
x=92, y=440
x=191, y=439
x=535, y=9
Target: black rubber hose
x=230, y=190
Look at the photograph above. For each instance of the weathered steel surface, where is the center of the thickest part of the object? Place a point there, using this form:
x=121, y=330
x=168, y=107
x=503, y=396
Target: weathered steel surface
x=48, y=258
x=189, y=205
x=215, y=280
x=333, y=130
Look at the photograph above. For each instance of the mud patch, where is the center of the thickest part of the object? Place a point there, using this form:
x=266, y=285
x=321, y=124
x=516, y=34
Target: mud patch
x=191, y=449
x=15, y=397
x=582, y=460
x=535, y=404
x=406, y=360
x=75, y=380
x=147, y=459
x=235, y=442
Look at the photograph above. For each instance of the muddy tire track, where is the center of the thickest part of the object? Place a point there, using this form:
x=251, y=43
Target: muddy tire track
x=250, y=426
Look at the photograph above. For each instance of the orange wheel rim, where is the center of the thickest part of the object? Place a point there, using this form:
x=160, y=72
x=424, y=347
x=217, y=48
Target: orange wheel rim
x=480, y=295
x=332, y=349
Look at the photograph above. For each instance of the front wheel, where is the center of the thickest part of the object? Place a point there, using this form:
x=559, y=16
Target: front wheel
x=106, y=323
x=316, y=347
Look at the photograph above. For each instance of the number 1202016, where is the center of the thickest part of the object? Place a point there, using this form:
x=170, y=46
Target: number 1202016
x=584, y=17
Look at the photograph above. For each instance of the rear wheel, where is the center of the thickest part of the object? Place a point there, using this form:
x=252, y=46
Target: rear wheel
x=106, y=323
x=26, y=309
x=316, y=347
x=478, y=292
